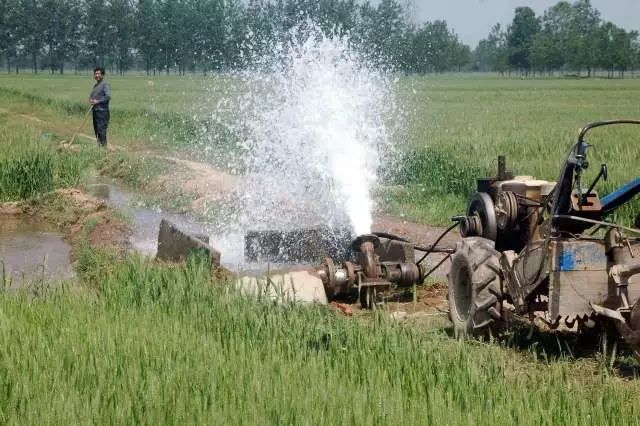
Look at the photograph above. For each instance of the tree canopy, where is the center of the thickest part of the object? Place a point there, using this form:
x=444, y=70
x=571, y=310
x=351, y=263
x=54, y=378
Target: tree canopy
x=570, y=37
x=210, y=35
x=218, y=35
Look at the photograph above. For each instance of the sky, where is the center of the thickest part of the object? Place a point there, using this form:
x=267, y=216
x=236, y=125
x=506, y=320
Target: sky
x=472, y=19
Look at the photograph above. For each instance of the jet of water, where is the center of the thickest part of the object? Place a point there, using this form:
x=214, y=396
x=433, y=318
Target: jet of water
x=314, y=118
x=308, y=122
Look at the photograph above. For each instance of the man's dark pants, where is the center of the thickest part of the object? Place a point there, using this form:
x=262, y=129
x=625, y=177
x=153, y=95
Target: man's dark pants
x=100, y=123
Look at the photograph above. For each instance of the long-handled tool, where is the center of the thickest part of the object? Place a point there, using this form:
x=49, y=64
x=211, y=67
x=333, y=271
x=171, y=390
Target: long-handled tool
x=84, y=120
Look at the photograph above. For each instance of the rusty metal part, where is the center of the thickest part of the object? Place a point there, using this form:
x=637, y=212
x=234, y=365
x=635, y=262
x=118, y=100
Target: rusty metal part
x=596, y=222
x=365, y=245
x=506, y=207
x=630, y=331
x=403, y=274
x=367, y=275
x=578, y=277
x=524, y=272
x=628, y=244
x=435, y=249
x=586, y=202
x=620, y=274
x=357, y=244
x=481, y=205
x=470, y=226
x=327, y=274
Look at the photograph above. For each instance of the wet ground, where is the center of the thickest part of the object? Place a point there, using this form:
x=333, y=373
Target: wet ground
x=32, y=252
x=231, y=244
x=35, y=251
x=146, y=223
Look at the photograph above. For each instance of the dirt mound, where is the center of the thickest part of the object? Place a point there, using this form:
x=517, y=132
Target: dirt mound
x=77, y=214
x=81, y=200
x=10, y=209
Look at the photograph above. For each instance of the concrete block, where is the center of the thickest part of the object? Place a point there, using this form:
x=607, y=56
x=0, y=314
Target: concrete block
x=302, y=245
x=294, y=286
x=175, y=245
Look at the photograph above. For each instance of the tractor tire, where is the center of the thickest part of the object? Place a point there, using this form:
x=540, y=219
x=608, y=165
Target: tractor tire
x=475, y=291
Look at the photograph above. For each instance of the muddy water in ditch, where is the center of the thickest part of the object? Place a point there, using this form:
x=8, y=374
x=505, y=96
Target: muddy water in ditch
x=32, y=252
x=146, y=223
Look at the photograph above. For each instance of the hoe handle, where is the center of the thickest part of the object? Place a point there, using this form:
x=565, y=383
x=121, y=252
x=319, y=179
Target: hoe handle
x=84, y=120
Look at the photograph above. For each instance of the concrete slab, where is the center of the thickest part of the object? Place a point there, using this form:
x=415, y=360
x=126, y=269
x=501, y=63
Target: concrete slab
x=293, y=286
x=175, y=245
x=301, y=245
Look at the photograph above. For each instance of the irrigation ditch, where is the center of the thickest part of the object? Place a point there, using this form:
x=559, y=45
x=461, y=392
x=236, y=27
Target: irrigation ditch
x=42, y=238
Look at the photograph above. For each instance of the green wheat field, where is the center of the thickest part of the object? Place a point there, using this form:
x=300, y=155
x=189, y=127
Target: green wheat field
x=130, y=341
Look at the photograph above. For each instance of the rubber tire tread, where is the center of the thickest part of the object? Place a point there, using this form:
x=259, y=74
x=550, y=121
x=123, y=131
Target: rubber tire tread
x=478, y=257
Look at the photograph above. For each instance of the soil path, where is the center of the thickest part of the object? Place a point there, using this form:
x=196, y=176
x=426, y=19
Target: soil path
x=203, y=180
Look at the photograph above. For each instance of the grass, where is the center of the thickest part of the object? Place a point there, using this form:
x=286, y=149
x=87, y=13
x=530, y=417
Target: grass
x=30, y=165
x=454, y=129
x=164, y=344
x=26, y=168
x=171, y=114
x=449, y=130
x=137, y=341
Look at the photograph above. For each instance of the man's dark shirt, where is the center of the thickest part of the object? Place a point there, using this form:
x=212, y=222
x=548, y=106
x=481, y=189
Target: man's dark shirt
x=102, y=93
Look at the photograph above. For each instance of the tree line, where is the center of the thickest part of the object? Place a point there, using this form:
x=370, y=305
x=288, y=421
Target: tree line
x=209, y=35
x=219, y=35
x=569, y=37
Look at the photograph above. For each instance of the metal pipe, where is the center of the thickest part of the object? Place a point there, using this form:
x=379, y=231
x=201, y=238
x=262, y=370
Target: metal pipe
x=595, y=124
x=596, y=222
x=368, y=260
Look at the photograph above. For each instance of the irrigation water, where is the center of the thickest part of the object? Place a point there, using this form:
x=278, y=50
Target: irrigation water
x=32, y=253
x=311, y=115
x=307, y=121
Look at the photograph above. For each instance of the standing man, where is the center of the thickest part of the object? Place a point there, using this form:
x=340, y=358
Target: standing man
x=100, y=96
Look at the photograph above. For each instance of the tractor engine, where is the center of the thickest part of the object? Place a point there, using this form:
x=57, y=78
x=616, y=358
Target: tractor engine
x=506, y=209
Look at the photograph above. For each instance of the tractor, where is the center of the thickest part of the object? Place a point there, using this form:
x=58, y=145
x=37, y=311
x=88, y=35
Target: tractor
x=549, y=250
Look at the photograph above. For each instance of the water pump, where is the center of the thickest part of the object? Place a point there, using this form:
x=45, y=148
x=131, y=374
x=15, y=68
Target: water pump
x=367, y=274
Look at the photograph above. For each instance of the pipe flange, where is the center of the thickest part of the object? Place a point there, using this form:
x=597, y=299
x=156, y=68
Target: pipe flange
x=471, y=226
x=360, y=239
x=331, y=274
x=506, y=208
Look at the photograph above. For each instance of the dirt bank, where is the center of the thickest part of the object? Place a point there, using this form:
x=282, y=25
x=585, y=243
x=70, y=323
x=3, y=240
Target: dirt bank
x=79, y=216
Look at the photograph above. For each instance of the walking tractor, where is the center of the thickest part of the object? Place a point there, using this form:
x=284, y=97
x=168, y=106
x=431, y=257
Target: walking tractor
x=548, y=250
x=531, y=248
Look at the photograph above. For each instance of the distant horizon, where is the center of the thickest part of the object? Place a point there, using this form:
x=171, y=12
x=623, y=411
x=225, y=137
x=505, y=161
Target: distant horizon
x=472, y=20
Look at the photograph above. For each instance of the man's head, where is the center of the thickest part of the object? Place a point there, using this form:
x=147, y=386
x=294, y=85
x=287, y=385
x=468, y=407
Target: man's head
x=98, y=73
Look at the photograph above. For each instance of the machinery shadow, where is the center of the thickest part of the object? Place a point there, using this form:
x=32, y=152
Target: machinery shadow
x=557, y=345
